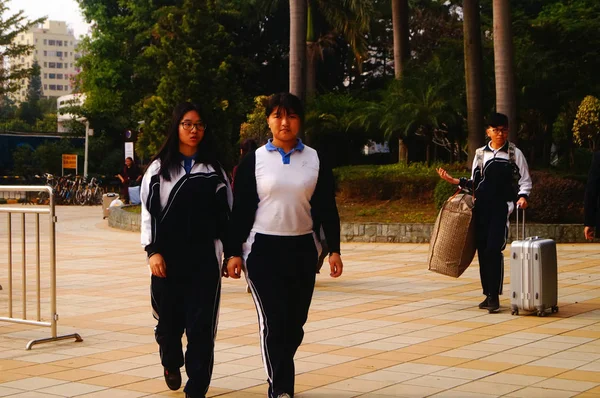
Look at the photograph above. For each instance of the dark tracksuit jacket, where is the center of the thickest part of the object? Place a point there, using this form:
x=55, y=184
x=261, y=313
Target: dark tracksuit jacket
x=185, y=220
x=281, y=202
x=496, y=187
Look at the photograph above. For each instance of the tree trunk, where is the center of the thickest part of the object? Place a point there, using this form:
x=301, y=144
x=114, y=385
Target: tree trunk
x=401, y=35
x=312, y=55
x=473, y=75
x=504, y=68
x=298, y=48
x=402, y=152
x=312, y=51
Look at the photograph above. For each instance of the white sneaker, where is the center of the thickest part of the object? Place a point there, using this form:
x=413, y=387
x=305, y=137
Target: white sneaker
x=284, y=395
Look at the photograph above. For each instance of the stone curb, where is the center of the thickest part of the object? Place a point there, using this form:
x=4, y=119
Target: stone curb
x=386, y=233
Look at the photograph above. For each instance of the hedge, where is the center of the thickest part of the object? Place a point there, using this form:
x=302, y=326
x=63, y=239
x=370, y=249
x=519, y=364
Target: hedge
x=554, y=199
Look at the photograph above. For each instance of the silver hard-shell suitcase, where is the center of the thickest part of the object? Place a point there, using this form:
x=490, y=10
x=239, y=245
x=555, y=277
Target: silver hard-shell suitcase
x=533, y=274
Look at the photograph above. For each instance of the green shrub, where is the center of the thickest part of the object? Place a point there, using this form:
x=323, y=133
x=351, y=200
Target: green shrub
x=443, y=190
x=555, y=200
x=390, y=182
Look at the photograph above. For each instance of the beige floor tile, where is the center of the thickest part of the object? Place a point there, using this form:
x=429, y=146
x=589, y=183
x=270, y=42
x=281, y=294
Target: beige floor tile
x=565, y=384
x=513, y=379
x=326, y=392
x=32, y=383
x=235, y=382
x=113, y=380
x=148, y=386
x=316, y=380
x=529, y=370
x=482, y=387
x=386, y=375
x=436, y=381
x=407, y=390
x=115, y=393
x=461, y=373
x=360, y=385
x=71, y=389
x=533, y=392
x=463, y=394
x=6, y=391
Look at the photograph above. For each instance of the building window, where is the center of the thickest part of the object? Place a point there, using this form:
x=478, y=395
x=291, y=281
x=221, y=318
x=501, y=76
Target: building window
x=59, y=76
x=52, y=42
x=52, y=65
x=59, y=43
x=52, y=75
x=59, y=53
x=59, y=65
x=45, y=53
x=45, y=41
x=53, y=87
x=45, y=87
x=71, y=64
x=45, y=75
x=45, y=64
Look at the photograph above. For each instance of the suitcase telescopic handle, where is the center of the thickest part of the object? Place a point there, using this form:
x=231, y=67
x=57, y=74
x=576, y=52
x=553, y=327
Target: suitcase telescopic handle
x=522, y=224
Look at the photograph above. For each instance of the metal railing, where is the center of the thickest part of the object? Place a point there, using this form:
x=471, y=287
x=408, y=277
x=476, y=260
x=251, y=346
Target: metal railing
x=37, y=211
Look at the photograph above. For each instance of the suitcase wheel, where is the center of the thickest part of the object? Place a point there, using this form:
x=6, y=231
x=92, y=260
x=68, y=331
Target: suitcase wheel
x=515, y=310
x=555, y=309
x=541, y=313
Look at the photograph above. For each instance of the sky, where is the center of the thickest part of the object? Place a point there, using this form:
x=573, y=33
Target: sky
x=56, y=10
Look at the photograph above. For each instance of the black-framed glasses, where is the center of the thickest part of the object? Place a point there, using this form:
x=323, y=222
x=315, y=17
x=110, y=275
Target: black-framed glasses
x=499, y=130
x=189, y=126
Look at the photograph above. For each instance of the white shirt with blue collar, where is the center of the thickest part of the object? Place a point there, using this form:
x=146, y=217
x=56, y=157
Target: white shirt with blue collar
x=285, y=183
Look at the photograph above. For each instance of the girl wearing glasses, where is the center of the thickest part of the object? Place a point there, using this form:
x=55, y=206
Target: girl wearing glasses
x=186, y=201
x=283, y=194
x=500, y=178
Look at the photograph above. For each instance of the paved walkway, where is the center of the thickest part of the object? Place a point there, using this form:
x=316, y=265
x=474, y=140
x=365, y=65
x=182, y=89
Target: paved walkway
x=387, y=328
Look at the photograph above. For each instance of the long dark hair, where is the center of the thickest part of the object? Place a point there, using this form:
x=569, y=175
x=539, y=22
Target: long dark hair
x=168, y=154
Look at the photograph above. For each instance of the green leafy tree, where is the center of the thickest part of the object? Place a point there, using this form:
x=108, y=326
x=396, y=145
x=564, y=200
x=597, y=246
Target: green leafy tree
x=586, y=129
x=10, y=28
x=30, y=110
x=196, y=58
x=255, y=126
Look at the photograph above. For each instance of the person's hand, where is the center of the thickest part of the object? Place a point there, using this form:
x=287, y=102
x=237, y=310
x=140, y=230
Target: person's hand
x=445, y=176
x=336, y=265
x=234, y=268
x=588, y=232
x=157, y=265
x=522, y=203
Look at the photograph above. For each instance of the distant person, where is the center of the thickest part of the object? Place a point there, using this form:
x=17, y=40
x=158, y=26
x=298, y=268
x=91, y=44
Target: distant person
x=186, y=202
x=284, y=193
x=247, y=146
x=591, y=200
x=129, y=177
x=500, y=178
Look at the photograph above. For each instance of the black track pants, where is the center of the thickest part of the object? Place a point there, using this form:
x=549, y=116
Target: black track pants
x=491, y=234
x=189, y=304
x=281, y=275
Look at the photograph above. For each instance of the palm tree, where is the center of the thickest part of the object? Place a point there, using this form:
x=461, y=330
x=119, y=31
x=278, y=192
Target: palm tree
x=503, y=62
x=401, y=35
x=348, y=18
x=298, y=48
x=473, y=75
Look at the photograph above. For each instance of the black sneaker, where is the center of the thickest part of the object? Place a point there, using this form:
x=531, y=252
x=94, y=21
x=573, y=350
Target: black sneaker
x=484, y=303
x=493, y=304
x=173, y=378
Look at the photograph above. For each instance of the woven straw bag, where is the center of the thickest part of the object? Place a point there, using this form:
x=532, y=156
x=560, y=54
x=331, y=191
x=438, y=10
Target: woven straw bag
x=452, y=243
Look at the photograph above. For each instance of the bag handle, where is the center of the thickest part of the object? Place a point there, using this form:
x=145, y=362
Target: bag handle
x=522, y=224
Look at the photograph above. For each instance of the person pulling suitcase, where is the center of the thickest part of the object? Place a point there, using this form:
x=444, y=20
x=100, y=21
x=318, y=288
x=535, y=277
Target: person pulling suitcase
x=500, y=177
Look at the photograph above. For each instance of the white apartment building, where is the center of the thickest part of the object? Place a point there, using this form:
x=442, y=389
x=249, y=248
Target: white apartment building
x=55, y=52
